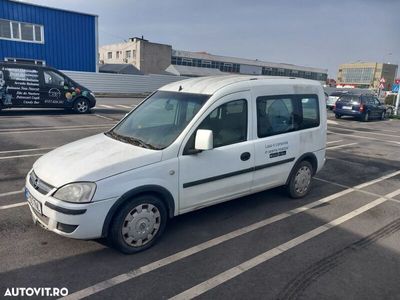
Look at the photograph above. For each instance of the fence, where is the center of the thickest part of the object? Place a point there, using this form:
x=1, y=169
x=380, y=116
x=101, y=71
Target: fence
x=121, y=83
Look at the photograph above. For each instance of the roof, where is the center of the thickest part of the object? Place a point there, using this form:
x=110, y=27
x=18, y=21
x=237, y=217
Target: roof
x=243, y=61
x=209, y=85
x=49, y=7
x=192, y=71
x=119, y=69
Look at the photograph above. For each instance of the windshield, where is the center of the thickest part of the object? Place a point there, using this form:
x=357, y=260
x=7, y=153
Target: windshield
x=159, y=120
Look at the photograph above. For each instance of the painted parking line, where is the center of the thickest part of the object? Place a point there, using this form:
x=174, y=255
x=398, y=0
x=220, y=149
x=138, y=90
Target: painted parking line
x=53, y=127
x=124, y=106
x=104, y=117
x=251, y=263
x=105, y=106
x=333, y=142
x=25, y=150
x=365, y=137
x=13, y=205
x=340, y=146
x=21, y=156
x=55, y=130
x=365, y=132
x=103, y=285
x=11, y=193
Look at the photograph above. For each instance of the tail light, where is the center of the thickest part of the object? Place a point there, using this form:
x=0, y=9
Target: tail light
x=362, y=108
x=334, y=106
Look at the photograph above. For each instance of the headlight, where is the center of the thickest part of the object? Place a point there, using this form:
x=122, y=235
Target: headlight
x=80, y=192
x=91, y=93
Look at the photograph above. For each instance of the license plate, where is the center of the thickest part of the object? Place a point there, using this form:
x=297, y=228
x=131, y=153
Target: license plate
x=347, y=107
x=36, y=205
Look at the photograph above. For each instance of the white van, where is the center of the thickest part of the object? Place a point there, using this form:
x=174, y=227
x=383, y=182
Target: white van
x=190, y=144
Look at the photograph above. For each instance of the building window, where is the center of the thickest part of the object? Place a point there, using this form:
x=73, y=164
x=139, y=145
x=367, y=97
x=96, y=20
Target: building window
x=128, y=54
x=20, y=31
x=109, y=55
x=117, y=55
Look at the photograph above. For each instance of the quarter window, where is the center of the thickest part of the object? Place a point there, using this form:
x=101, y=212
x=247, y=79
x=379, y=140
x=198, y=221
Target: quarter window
x=280, y=114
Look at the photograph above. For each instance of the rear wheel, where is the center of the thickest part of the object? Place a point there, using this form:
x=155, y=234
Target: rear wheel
x=81, y=106
x=138, y=224
x=337, y=116
x=300, y=180
x=366, y=117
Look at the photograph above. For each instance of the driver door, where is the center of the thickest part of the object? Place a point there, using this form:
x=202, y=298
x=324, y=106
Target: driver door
x=226, y=171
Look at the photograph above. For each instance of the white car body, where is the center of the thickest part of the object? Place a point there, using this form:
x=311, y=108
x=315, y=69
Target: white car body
x=187, y=182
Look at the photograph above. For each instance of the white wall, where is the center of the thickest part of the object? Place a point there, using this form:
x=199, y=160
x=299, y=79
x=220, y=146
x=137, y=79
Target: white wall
x=121, y=83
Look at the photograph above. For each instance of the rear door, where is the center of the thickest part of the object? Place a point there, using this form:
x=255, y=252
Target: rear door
x=287, y=127
x=20, y=86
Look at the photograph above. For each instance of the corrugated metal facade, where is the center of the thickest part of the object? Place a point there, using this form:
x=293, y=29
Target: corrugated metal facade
x=70, y=39
x=121, y=83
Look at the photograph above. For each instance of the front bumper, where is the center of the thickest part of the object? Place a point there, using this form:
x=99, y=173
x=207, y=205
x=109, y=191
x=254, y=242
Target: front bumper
x=74, y=220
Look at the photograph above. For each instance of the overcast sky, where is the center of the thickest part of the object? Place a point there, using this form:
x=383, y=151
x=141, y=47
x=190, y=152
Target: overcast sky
x=315, y=33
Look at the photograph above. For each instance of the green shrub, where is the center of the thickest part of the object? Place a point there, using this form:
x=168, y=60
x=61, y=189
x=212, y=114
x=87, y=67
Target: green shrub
x=390, y=100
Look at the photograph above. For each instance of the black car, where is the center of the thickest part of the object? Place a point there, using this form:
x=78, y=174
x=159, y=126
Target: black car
x=35, y=86
x=360, y=106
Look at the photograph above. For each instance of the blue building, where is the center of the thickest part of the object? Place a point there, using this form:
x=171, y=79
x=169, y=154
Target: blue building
x=62, y=39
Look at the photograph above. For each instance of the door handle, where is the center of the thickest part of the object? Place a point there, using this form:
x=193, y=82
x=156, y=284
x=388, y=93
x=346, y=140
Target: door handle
x=245, y=156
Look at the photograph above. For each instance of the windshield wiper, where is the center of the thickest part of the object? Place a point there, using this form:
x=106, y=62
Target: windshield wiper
x=130, y=140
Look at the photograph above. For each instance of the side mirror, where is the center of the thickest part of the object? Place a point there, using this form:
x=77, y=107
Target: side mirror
x=204, y=139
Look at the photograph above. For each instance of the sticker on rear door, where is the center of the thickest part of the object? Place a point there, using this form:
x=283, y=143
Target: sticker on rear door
x=276, y=149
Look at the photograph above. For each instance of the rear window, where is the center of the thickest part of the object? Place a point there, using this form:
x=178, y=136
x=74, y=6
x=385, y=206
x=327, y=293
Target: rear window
x=337, y=94
x=349, y=99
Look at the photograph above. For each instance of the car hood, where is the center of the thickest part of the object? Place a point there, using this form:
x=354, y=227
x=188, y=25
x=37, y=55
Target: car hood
x=92, y=159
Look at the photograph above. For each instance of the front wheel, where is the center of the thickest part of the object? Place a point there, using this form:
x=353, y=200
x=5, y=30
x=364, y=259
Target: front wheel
x=383, y=115
x=337, y=116
x=300, y=180
x=81, y=106
x=138, y=224
x=366, y=117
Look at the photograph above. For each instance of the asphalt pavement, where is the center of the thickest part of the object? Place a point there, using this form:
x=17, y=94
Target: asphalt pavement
x=339, y=242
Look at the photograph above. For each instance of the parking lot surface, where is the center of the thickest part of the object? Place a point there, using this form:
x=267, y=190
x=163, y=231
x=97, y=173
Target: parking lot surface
x=339, y=242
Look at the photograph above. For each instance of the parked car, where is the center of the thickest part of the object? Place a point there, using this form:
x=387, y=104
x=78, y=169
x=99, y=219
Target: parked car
x=36, y=86
x=191, y=144
x=330, y=103
x=360, y=106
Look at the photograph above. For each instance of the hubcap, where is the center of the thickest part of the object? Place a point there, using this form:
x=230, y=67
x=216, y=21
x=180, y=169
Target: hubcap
x=302, y=180
x=141, y=225
x=82, y=106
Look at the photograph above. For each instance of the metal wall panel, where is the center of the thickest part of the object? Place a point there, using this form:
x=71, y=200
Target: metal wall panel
x=121, y=83
x=69, y=38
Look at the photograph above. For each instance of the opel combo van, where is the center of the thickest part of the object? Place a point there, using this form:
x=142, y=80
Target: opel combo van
x=190, y=144
x=35, y=86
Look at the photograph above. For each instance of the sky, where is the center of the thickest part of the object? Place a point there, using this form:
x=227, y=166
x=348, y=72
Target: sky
x=314, y=33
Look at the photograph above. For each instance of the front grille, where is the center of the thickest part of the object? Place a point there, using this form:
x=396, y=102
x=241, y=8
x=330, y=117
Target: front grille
x=39, y=185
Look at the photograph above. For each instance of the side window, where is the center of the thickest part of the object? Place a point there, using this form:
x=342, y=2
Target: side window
x=52, y=78
x=275, y=116
x=228, y=123
x=377, y=102
x=280, y=114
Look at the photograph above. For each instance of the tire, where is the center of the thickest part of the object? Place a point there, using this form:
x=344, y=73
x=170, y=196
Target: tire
x=133, y=224
x=337, y=116
x=300, y=180
x=365, y=118
x=81, y=106
x=383, y=115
